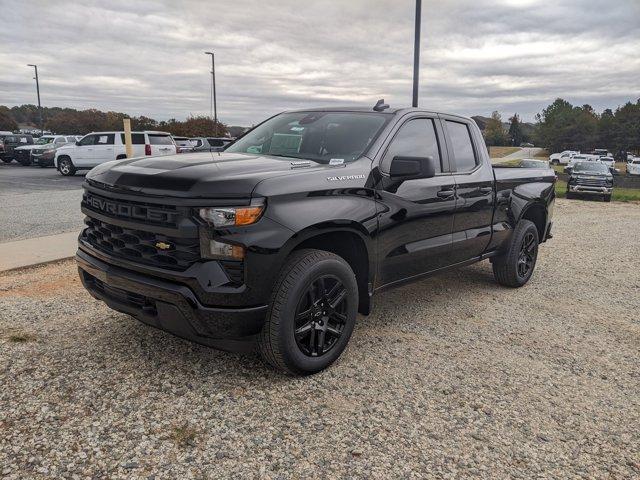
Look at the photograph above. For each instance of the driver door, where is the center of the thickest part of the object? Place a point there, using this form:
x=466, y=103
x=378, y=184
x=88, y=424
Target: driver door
x=83, y=153
x=415, y=216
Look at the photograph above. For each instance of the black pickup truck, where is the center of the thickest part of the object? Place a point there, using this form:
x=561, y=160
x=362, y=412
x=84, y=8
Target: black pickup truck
x=279, y=241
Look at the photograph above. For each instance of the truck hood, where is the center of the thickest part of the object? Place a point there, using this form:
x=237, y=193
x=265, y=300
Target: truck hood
x=198, y=174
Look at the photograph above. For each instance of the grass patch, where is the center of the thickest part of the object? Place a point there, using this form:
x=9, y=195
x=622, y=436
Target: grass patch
x=619, y=194
x=542, y=155
x=184, y=435
x=499, y=152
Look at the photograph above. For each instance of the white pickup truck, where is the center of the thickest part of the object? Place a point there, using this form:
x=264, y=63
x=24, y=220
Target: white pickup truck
x=563, y=158
x=99, y=147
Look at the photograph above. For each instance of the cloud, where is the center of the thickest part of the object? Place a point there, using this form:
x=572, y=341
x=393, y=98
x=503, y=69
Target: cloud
x=146, y=57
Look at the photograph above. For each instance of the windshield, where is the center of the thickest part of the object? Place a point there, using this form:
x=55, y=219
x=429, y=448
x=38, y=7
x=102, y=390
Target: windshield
x=44, y=140
x=317, y=136
x=594, y=167
x=533, y=164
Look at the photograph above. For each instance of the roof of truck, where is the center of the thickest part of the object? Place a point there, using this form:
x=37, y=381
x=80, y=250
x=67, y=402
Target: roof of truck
x=388, y=111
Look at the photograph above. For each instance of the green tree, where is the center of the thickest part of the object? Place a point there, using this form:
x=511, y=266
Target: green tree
x=6, y=120
x=494, y=133
x=515, y=130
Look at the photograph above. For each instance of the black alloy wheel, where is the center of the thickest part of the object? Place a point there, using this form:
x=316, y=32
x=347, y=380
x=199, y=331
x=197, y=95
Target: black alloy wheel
x=321, y=316
x=312, y=313
x=527, y=256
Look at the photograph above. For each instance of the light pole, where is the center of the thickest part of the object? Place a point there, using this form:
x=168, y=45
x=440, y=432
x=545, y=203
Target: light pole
x=213, y=90
x=38, y=90
x=416, y=53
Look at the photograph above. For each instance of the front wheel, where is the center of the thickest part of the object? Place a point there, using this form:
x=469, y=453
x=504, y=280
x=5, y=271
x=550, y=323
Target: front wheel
x=312, y=313
x=7, y=160
x=66, y=167
x=607, y=198
x=515, y=267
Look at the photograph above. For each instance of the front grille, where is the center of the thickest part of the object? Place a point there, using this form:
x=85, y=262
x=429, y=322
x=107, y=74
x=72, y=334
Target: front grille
x=141, y=246
x=593, y=182
x=152, y=214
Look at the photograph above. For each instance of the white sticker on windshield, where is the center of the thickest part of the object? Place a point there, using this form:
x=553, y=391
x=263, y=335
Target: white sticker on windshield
x=336, y=161
x=297, y=129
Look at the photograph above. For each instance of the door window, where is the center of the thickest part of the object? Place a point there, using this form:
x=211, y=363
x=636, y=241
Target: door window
x=462, y=146
x=106, y=139
x=416, y=138
x=215, y=142
x=88, y=140
x=60, y=140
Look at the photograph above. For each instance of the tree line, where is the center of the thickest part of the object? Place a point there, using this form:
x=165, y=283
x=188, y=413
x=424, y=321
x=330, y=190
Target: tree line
x=563, y=126
x=72, y=121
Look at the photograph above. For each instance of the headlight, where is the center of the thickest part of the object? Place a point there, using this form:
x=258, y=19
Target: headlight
x=231, y=216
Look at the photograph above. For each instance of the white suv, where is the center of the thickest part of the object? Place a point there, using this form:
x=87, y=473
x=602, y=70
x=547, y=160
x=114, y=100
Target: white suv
x=99, y=147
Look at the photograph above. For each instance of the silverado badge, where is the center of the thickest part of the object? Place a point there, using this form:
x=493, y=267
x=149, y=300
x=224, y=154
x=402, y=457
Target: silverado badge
x=163, y=246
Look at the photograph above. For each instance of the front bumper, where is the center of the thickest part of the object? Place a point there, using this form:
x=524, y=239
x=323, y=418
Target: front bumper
x=591, y=189
x=170, y=307
x=42, y=160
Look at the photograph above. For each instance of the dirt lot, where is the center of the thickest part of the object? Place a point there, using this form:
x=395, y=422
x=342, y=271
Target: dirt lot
x=451, y=377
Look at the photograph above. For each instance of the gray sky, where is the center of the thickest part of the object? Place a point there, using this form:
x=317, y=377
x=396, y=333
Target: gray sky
x=145, y=57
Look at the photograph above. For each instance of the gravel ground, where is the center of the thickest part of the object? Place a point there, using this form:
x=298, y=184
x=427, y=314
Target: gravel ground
x=450, y=377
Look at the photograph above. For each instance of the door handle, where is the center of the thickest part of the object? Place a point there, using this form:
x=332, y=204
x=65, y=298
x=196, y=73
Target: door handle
x=485, y=189
x=446, y=193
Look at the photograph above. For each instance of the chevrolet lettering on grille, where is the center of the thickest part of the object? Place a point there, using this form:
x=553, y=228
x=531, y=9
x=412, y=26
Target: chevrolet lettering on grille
x=138, y=212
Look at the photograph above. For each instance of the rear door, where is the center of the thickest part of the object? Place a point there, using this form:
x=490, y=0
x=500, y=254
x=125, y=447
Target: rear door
x=415, y=216
x=161, y=144
x=138, y=141
x=474, y=181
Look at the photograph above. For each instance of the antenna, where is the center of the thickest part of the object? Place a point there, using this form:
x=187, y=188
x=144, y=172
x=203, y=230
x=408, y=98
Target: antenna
x=380, y=106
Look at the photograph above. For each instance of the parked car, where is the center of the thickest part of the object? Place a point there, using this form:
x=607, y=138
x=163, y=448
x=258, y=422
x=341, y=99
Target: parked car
x=562, y=158
x=24, y=154
x=183, y=144
x=526, y=145
x=9, y=142
x=43, y=155
x=590, y=178
x=580, y=158
x=282, y=238
x=633, y=167
x=210, y=144
x=601, y=152
x=99, y=147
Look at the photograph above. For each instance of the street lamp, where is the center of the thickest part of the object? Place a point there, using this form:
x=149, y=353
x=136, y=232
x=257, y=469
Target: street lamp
x=38, y=90
x=416, y=52
x=213, y=91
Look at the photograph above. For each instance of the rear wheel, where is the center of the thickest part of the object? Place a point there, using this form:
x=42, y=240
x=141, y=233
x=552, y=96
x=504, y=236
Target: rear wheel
x=515, y=267
x=66, y=167
x=568, y=194
x=7, y=160
x=312, y=313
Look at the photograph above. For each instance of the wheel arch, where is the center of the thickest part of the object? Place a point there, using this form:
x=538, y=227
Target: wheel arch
x=348, y=242
x=536, y=212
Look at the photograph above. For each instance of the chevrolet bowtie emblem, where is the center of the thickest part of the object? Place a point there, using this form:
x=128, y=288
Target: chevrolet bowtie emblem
x=163, y=246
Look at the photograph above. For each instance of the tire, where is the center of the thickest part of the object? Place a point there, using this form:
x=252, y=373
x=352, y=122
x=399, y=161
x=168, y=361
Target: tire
x=607, y=198
x=25, y=162
x=7, y=160
x=294, y=347
x=66, y=167
x=568, y=195
x=509, y=269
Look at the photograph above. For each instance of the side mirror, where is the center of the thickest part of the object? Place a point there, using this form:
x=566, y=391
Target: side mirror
x=407, y=168
x=78, y=143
